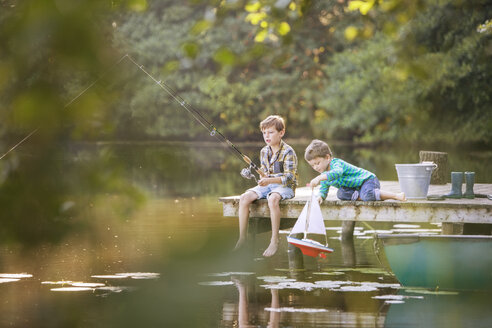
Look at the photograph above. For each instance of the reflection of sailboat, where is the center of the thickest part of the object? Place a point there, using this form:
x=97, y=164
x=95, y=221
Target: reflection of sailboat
x=310, y=221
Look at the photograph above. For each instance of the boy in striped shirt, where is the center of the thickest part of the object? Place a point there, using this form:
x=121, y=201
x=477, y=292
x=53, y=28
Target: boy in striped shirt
x=353, y=183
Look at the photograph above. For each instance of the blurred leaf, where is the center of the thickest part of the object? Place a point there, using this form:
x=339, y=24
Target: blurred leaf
x=283, y=28
x=137, y=5
x=253, y=6
x=261, y=36
x=225, y=56
x=191, y=49
x=351, y=33
x=200, y=27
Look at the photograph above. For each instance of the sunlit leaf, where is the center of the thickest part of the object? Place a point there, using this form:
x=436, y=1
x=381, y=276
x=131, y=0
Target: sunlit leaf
x=283, y=28
x=255, y=18
x=351, y=33
x=252, y=7
x=362, y=6
x=261, y=36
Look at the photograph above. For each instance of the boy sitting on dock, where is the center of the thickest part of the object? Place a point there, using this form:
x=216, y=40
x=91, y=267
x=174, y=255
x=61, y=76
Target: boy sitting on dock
x=353, y=183
x=279, y=163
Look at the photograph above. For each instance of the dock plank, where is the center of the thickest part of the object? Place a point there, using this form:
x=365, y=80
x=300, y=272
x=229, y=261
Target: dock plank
x=478, y=210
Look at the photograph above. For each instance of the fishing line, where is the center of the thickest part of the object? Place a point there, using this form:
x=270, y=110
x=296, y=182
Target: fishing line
x=68, y=104
x=196, y=114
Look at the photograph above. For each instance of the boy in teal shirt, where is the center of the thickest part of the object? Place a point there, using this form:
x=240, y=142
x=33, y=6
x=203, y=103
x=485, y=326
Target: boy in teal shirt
x=353, y=183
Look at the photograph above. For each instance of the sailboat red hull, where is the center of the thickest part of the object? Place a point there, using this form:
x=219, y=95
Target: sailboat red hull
x=309, y=247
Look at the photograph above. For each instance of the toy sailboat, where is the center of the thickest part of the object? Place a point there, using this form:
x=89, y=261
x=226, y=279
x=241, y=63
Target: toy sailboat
x=310, y=221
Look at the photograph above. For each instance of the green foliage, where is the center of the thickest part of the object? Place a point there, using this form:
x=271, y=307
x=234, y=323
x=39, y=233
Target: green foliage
x=49, y=52
x=370, y=71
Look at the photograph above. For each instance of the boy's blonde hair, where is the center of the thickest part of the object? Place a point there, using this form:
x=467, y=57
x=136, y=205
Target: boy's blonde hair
x=273, y=120
x=317, y=148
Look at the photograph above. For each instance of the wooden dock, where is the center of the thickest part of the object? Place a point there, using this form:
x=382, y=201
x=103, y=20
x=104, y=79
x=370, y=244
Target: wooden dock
x=452, y=213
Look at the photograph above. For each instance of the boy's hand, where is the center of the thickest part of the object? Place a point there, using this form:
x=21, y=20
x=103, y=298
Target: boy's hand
x=264, y=182
x=319, y=199
x=315, y=182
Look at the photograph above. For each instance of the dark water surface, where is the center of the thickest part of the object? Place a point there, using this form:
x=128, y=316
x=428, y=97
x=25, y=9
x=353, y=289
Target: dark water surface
x=168, y=263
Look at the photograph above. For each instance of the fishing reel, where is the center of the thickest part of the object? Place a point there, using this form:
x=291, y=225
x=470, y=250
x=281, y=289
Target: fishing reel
x=248, y=174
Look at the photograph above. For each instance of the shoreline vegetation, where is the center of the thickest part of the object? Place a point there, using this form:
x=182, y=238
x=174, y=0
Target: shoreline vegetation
x=291, y=141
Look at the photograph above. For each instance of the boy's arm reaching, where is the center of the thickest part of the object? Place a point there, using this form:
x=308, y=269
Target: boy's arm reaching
x=323, y=190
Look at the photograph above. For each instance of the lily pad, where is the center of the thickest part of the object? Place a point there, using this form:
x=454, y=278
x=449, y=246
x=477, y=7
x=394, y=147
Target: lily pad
x=291, y=309
x=72, y=289
x=15, y=275
x=4, y=280
x=216, y=283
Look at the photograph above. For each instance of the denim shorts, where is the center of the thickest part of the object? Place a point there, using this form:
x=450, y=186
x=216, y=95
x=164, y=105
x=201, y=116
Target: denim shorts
x=265, y=191
x=369, y=191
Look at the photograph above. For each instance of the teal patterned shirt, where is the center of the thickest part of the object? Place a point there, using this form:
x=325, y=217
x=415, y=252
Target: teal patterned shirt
x=343, y=174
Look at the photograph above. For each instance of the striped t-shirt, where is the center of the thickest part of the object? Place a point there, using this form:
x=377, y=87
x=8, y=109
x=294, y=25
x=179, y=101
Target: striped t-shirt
x=343, y=174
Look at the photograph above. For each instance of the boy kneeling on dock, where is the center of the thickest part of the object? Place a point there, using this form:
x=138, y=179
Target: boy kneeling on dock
x=353, y=183
x=279, y=162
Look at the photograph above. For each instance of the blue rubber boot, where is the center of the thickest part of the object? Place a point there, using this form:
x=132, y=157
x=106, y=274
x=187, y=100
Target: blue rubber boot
x=456, y=182
x=470, y=181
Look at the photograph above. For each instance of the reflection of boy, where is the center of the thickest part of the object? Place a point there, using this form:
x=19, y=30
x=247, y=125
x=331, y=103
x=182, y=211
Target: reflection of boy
x=279, y=163
x=353, y=183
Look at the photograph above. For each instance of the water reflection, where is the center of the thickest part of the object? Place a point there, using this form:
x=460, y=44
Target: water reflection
x=151, y=262
x=282, y=306
x=441, y=310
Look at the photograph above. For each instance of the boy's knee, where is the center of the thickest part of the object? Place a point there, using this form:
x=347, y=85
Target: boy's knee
x=370, y=195
x=274, y=199
x=247, y=198
x=344, y=194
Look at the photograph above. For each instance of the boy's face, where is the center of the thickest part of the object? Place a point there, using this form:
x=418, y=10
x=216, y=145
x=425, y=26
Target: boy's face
x=320, y=164
x=271, y=136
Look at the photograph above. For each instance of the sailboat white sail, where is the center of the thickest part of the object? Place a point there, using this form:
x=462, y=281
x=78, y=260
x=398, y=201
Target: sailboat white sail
x=310, y=222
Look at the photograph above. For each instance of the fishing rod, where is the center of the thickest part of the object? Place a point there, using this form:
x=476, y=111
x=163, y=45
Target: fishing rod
x=210, y=127
x=246, y=172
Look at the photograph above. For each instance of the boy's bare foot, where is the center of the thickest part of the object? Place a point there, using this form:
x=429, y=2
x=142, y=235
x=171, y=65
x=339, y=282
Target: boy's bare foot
x=401, y=196
x=272, y=248
x=239, y=244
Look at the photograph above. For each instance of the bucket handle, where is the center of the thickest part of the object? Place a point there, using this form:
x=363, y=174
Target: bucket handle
x=431, y=168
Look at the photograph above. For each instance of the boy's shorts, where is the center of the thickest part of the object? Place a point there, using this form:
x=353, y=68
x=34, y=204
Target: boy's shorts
x=265, y=191
x=369, y=191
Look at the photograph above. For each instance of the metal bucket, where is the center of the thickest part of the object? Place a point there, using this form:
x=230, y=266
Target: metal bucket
x=414, y=179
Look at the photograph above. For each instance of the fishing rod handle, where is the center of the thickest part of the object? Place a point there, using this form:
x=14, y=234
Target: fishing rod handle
x=250, y=162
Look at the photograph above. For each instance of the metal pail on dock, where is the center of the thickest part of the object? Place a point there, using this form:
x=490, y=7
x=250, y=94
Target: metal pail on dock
x=414, y=179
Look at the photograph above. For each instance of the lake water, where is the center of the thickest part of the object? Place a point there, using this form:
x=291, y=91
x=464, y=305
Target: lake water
x=168, y=263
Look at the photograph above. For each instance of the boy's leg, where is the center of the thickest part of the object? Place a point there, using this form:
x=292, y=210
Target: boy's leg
x=244, y=201
x=345, y=193
x=391, y=195
x=370, y=190
x=274, y=206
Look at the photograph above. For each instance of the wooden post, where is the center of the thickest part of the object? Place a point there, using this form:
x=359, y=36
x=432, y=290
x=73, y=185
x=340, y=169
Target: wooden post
x=441, y=174
x=452, y=228
x=348, y=229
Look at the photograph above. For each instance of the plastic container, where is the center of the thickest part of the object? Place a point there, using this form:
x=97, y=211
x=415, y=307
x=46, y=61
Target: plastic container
x=414, y=179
